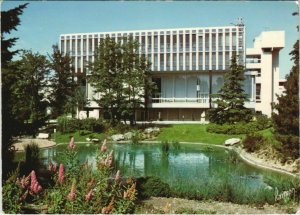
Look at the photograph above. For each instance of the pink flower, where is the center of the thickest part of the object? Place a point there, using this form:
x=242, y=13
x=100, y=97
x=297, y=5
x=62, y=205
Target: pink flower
x=23, y=182
x=118, y=176
x=72, y=144
x=103, y=147
x=34, y=186
x=61, y=174
x=88, y=196
x=72, y=194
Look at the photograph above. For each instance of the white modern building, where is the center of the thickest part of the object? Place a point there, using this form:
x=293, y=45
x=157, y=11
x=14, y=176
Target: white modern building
x=188, y=65
x=263, y=61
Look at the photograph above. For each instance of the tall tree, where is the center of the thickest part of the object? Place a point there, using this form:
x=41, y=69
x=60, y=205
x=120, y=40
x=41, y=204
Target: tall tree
x=231, y=98
x=10, y=126
x=106, y=78
x=286, y=120
x=62, y=82
x=31, y=88
x=120, y=74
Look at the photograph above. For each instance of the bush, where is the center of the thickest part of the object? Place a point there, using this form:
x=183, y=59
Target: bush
x=68, y=125
x=152, y=186
x=253, y=142
x=263, y=122
x=32, y=156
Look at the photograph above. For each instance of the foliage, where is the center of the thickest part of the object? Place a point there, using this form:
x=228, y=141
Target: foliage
x=62, y=82
x=88, y=192
x=10, y=19
x=286, y=120
x=30, y=90
x=231, y=98
x=253, y=142
x=32, y=156
x=67, y=125
x=152, y=186
x=11, y=193
x=120, y=75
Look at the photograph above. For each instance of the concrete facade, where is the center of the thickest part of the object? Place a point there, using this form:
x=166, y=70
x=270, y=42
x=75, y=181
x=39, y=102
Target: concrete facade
x=188, y=65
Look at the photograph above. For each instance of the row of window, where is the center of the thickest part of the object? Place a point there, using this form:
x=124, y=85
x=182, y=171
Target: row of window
x=206, y=42
x=200, y=31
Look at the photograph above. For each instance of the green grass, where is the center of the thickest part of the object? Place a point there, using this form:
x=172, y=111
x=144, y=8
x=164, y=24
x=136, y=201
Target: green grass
x=65, y=138
x=192, y=133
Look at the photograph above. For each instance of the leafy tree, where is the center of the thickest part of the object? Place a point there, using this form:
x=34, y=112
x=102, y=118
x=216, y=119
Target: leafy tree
x=10, y=126
x=136, y=71
x=286, y=120
x=121, y=76
x=30, y=90
x=106, y=78
x=231, y=98
x=62, y=82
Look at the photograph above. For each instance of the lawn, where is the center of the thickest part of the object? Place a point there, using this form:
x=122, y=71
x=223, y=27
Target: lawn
x=64, y=138
x=193, y=133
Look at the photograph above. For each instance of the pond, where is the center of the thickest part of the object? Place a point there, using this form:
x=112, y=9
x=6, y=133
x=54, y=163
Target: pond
x=192, y=169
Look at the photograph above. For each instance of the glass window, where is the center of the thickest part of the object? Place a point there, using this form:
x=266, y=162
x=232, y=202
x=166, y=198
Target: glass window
x=180, y=60
x=227, y=41
x=180, y=42
x=194, y=42
x=203, y=82
x=174, y=43
x=200, y=61
x=168, y=61
x=73, y=47
x=194, y=60
x=187, y=42
x=155, y=62
x=220, y=41
x=206, y=60
x=96, y=43
x=79, y=46
x=149, y=43
x=155, y=43
x=206, y=42
x=213, y=61
x=200, y=43
x=213, y=42
x=220, y=60
x=62, y=46
x=90, y=46
x=187, y=60
x=68, y=46
x=179, y=86
x=168, y=42
x=217, y=83
x=174, y=61
x=233, y=41
x=161, y=61
x=162, y=43
x=84, y=46
x=227, y=60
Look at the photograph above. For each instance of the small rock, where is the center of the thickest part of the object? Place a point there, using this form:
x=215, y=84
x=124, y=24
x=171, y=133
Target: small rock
x=151, y=130
x=95, y=140
x=232, y=141
x=128, y=135
x=88, y=139
x=117, y=137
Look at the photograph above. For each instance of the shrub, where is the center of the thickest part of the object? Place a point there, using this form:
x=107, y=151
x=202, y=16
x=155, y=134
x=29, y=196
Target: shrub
x=152, y=186
x=253, y=142
x=32, y=156
x=263, y=122
x=68, y=125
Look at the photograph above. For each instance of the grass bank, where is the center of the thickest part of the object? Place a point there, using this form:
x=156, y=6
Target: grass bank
x=78, y=136
x=193, y=133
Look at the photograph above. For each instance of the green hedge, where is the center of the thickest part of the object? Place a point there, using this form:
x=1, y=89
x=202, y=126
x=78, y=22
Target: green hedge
x=261, y=122
x=68, y=125
x=152, y=186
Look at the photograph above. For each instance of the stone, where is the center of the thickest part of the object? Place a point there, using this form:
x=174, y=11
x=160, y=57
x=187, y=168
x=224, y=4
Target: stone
x=152, y=130
x=128, y=135
x=95, y=140
x=232, y=141
x=117, y=137
x=42, y=136
x=88, y=139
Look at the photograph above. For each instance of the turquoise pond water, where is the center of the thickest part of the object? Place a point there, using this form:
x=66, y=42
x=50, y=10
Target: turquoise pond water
x=185, y=167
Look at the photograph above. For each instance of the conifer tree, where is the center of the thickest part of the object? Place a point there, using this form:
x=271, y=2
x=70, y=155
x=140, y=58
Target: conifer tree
x=10, y=19
x=231, y=98
x=286, y=120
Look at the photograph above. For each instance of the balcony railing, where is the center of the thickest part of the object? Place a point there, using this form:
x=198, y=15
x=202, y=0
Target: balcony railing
x=202, y=98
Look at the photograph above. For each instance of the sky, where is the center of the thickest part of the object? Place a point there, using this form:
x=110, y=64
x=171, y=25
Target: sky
x=42, y=21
